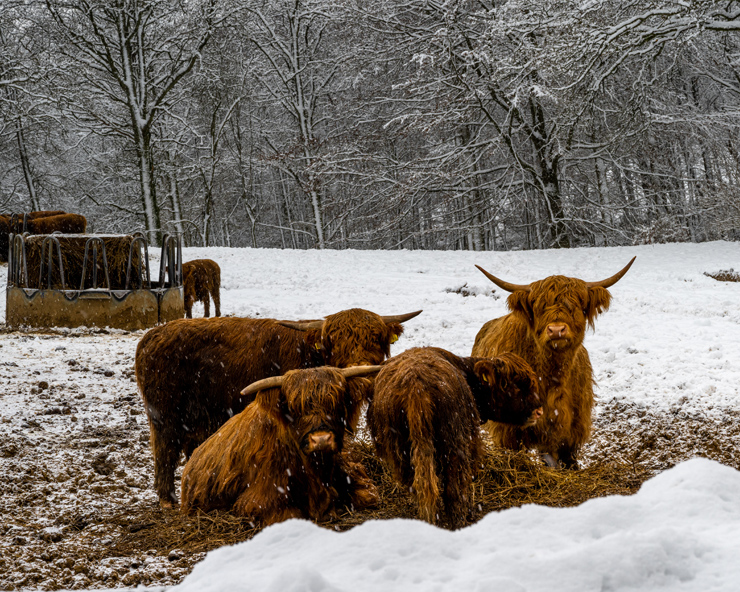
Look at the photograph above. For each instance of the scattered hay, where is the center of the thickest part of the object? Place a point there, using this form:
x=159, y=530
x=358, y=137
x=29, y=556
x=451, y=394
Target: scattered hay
x=73, y=253
x=508, y=479
x=724, y=275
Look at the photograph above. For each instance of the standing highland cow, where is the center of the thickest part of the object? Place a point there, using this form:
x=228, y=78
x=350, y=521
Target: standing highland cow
x=201, y=280
x=282, y=456
x=546, y=326
x=425, y=419
x=191, y=371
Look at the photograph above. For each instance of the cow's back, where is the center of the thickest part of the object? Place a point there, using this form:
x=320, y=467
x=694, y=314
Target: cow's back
x=196, y=368
x=504, y=334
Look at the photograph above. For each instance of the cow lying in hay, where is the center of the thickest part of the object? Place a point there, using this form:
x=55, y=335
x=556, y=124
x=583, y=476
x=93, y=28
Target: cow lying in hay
x=282, y=457
x=546, y=326
x=425, y=419
x=190, y=371
x=201, y=280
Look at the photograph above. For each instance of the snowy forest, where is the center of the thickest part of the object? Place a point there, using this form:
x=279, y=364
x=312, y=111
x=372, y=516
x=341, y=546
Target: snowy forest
x=376, y=124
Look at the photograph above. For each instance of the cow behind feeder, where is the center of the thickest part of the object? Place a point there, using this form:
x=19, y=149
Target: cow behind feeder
x=190, y=371
x=14, y=223
x=425, y=419
x=282, y=456
x=62, y=223
x=201, y=281
x=546, y=326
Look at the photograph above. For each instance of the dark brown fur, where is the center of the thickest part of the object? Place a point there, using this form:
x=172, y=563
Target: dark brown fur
x=6, y=228
x=263, y=463
x=64, y=223
x=191, y=371
x=425, y=420
x=201, y=280
x=562, y=365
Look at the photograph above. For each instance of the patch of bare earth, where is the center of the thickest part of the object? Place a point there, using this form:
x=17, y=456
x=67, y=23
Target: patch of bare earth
x=78, y=510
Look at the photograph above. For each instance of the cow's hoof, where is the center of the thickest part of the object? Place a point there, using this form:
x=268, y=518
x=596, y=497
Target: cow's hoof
x=549, y=460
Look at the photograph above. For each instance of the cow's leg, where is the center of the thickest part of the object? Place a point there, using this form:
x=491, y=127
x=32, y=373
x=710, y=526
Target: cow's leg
x=189, y=307
x=166, y=449
x=217, y=301
x=567, y=456
x=206, y=304
x=457, y=489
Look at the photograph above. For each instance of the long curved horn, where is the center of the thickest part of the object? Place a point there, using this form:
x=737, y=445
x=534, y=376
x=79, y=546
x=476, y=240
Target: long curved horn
x=505, y=285
x=614, y=279
x=359, y=371
x=402, y=318
x=263, y=384
x=301, y=325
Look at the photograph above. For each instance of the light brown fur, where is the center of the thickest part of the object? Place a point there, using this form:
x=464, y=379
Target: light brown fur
x=565, y=372
x=259, y=464
x=425, y=421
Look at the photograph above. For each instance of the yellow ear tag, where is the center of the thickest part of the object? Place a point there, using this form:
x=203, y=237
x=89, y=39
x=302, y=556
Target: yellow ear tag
x=318, y=347
x=485, y=378
x=394, y=338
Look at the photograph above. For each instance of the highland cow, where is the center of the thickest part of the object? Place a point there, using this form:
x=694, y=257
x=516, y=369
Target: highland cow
x=425, y=419
x=282, y=456
x=201, y=280
x=546, y=326
x=63, y=223
x=15, y=224
x=190, y=371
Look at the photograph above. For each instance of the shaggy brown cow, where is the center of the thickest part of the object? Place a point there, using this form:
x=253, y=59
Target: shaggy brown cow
x=201, y=279
x=64, y=223
x=282, y=456
x=190, y=371
x=425, y=419
x=546, y=327
x=14, y=223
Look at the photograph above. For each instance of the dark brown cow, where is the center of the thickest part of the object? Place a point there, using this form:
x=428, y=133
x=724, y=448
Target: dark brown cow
x=282, y=456
x=6, y=227
x=64, y=223
x=201, y=280
x=191, y=371
x=546, y=327
x=425, y=419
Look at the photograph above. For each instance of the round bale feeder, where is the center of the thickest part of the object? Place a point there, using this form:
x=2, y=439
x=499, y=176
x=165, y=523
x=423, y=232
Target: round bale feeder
x=74, y=280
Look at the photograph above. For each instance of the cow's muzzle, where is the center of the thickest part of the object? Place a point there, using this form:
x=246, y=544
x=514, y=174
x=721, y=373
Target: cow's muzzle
x=534, y=417
x=320, y=441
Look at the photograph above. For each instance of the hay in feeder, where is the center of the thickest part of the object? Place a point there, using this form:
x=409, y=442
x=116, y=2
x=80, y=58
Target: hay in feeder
x=72, y=248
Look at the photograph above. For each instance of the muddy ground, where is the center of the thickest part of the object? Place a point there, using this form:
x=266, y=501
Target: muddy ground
x=78, y=510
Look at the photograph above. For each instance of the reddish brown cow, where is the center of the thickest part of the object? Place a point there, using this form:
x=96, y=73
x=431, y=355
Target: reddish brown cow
x=546, y=327
x=14, y=224
x=201, y=279
x=282, y=456
x=64, y=223
x=190, y=371
x=425, y=419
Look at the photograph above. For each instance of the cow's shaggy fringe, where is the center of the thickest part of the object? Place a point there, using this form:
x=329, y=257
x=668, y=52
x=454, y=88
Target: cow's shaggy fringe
x=508, y=479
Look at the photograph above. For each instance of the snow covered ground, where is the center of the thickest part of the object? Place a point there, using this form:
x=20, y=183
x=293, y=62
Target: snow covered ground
x=667, y=364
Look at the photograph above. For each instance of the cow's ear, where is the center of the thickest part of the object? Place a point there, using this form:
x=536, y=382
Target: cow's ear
x=487, y=373
x=396, y=330
x=598, y=301
x=272, y=399
x=519, y=302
